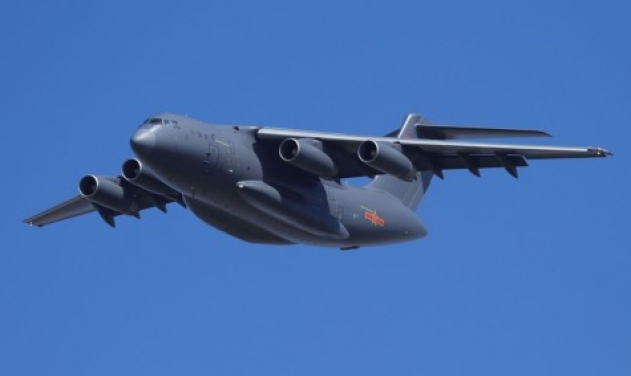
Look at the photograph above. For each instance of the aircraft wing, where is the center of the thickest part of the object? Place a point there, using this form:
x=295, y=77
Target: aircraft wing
x=79, y=205
x=74, y=207
x=437, y=153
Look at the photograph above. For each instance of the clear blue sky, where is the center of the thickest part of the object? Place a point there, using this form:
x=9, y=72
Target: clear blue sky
x=517, y=277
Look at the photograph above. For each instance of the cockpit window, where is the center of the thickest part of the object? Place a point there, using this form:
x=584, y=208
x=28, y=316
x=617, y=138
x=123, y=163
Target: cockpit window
x=148, y=123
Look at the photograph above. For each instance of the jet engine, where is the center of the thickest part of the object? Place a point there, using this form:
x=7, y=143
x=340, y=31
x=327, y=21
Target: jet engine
x=307, y=155
x=139, y=175
x=386, y=158
x=108, y=193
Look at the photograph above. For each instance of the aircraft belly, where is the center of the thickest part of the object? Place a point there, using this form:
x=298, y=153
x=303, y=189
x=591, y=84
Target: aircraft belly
x=303, y=217
x=373, y=218
x=365, y=217
x=233, y=225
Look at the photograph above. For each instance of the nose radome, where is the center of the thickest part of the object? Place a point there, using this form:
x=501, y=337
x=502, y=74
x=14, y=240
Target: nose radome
x=143, y=142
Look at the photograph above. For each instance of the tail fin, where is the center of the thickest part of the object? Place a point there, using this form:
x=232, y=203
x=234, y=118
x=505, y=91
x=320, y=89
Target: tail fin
x=409, y=192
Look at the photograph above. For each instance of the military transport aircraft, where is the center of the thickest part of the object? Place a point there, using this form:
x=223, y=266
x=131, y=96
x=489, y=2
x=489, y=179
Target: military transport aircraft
x=283, y=186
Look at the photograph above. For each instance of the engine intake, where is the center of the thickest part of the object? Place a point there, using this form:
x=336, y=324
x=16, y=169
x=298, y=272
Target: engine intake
x=386, y=158
x=108, y=193
x=141, y=176
x=307, y=154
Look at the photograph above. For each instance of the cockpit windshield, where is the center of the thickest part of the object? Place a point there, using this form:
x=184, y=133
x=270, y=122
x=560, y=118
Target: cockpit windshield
x=153, y=121
x=150, y=122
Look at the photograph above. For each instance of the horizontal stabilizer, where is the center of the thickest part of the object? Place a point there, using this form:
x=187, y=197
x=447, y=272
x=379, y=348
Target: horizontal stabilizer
x=448, y=132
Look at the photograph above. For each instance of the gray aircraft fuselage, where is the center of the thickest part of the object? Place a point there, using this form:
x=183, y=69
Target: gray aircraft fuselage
x=241, y=186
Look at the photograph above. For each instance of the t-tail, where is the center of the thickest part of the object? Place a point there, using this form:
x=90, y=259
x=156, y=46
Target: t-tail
x=409, y=192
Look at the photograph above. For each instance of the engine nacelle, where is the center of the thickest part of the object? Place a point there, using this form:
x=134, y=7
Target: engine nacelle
x=139, y=175
x=386, y=158
x=108, y=193
x=307, y=154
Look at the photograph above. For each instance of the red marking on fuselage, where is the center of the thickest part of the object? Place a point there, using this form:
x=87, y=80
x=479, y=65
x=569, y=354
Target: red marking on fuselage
x=374, y=218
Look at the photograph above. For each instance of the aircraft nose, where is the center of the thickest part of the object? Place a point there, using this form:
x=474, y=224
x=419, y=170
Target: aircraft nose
x=143, y=142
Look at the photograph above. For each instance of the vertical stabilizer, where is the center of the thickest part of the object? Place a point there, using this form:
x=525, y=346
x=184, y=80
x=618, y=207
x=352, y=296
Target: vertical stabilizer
x=409, y=192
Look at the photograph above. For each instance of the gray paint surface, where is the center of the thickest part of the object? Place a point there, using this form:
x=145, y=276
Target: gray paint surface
x=239, y=180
